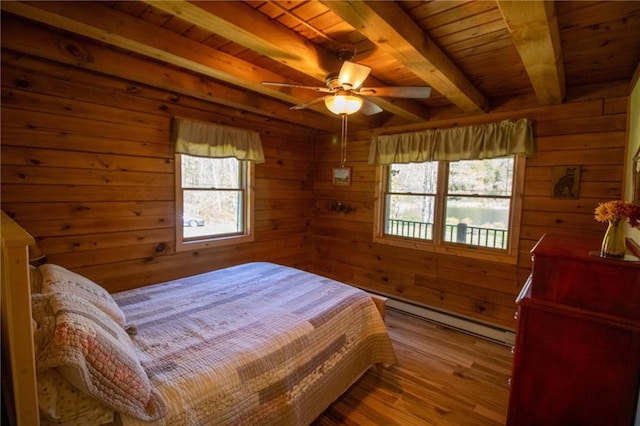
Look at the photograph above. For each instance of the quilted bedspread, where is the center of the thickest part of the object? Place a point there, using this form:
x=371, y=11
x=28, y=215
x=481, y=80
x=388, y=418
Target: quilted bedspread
x=256, y=343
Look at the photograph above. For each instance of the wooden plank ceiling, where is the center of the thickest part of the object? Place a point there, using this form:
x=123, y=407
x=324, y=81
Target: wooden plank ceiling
x=475, y=55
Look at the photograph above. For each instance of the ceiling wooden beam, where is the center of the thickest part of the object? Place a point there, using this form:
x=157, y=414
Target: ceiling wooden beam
x=242, y=24
x=534, y=29
x=393, y=31
x=107, y=25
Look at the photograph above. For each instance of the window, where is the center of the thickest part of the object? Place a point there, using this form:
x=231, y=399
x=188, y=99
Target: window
x=214, y=183
x=469, y=208
x=213, y=201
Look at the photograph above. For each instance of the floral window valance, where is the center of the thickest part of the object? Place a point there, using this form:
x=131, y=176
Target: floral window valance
x=204, y=139
x=478, y=142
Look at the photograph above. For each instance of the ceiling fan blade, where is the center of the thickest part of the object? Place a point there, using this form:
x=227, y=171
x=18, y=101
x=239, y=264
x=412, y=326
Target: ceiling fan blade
x=298, y=86
x=369, y=108
x=308, y=104
x=415, y=92
x=353, y=75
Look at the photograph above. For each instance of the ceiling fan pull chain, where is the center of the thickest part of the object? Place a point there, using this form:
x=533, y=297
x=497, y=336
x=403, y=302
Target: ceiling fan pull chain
x=343, y=146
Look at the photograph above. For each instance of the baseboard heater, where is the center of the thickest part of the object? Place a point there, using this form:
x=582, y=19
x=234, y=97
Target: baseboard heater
x=505, y=337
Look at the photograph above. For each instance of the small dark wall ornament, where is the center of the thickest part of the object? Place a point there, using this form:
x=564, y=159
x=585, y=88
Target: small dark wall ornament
x=565, y=182
x=340, y=207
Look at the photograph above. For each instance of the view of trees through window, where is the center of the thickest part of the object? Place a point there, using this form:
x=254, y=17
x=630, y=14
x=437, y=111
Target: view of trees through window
x=212, y=196
x=411, y=199
x=477, y=201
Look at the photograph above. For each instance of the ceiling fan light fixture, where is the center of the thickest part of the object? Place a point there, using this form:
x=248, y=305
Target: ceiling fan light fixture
x=343, y=104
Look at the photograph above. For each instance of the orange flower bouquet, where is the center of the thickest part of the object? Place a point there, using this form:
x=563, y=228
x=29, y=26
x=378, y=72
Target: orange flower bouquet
x=612, y=211
x=616, y=213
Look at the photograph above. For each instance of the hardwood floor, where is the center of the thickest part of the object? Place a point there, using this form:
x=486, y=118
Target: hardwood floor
x=443, y=377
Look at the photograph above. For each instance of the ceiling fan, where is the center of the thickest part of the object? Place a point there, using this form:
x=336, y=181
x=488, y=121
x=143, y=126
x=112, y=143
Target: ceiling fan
x=346, y=94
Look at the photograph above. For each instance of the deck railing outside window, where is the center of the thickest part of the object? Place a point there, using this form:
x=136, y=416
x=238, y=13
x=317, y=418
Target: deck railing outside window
x=460, y=233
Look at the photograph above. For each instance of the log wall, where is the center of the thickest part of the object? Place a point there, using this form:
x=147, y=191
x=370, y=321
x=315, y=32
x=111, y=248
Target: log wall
x=88, y=170
x=588, y=131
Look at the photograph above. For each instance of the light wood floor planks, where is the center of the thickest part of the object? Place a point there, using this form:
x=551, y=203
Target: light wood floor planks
x=443, y=377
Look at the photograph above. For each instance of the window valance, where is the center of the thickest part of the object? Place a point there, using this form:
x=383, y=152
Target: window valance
x=477, y=142
x=204, y=139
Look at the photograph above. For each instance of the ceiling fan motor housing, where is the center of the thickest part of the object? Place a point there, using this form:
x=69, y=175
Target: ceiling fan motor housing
x=332, y=81
x=345, y=52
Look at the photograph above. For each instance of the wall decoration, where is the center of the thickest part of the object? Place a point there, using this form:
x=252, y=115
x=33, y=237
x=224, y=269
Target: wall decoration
x=340, y=207
x=565, y=182
x=342, y=176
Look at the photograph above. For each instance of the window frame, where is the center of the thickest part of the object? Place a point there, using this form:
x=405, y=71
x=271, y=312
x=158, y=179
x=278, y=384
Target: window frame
x=195, y=243
x=437, y=244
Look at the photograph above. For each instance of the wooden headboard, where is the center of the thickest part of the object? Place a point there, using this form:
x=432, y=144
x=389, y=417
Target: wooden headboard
x=19, y=388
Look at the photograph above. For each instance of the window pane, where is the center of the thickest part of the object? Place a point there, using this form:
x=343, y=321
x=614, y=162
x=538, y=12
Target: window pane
x=219, y=173
x=211, y=213
x=410, y=216
x=478, y=221
x=482, y=177
x=417, y=178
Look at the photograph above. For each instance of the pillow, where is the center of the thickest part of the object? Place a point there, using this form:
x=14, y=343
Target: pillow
x=94, y=354
x=61, y=403
x=35, y=280
x=58, y=279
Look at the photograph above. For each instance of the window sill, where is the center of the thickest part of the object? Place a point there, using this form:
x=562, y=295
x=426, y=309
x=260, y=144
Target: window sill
x=452, y=249
x=217, y=242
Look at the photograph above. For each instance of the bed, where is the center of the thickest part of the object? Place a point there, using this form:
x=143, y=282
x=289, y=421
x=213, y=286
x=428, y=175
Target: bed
x=257, y=343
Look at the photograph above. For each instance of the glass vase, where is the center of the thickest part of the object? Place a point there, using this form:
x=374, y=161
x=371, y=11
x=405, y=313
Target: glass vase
x=614, y=242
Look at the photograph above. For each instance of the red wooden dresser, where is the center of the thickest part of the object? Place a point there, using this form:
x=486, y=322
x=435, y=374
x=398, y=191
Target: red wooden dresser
x=577, y=352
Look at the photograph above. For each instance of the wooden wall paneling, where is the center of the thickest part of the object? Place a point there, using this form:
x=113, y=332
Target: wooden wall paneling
x=100, y=163
x=25, y=37
x=589, y=172
x=479, y=308
x=89, y=139
x=616, y=105
x=102, y=90
x=601, y=190
x=21, y=99
x=69, y=245
x=581, y=141
x=419, y=277
x=340, y=229
x=377, y=259
x=36, y=175
x=589, y=133
x=468, y=288
x=561, y=158
x=158, y=269
x=57, y=193
x=112, y=256
x=82, y=226
x=26, y=156
x=64, y=123
x=334, y=206
x=585, y=125
x=86, y=209
x=392, y=275
x=283, y=194
x=72, y=142
x=487, y=275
